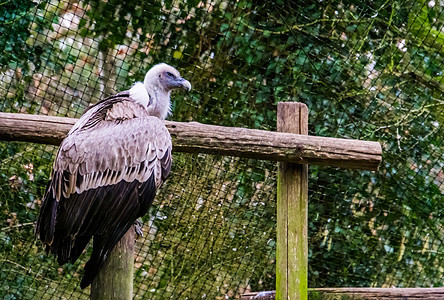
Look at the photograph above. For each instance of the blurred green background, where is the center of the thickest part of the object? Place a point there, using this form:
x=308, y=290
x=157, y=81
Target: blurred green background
x=370, y=70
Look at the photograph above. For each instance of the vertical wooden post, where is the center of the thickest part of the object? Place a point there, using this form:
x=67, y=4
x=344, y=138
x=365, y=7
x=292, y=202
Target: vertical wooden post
x=115, y=278
x=292, y=209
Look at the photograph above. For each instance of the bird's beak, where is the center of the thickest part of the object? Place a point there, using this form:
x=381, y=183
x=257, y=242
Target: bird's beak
x=185, y=84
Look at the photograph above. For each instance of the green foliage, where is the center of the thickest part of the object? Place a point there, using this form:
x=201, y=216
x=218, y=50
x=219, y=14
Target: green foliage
x=15, y=19
x=366, y=69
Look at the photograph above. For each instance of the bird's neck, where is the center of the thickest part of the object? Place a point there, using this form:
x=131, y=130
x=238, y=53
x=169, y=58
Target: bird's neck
x=159, y=105
x=156, y=100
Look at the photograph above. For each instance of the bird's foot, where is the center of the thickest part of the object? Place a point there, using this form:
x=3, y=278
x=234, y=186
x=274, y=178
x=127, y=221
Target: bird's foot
x=138, y=228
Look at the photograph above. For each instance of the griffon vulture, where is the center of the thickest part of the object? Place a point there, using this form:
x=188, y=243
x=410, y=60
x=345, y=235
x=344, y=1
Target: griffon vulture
x=108, y=169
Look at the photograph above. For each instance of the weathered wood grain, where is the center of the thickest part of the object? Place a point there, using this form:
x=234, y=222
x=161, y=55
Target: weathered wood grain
x=115, y=278
x=360, y=294
x=292, y=212
x=201, y=138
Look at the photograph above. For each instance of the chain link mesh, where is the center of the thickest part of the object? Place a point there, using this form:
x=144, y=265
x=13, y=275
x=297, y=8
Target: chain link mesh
x=370, y=70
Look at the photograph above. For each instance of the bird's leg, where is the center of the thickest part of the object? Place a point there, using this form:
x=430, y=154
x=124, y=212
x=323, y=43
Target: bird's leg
x=138, y=228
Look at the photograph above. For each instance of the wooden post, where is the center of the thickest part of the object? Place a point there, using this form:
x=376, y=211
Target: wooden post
x=292, y=209
x=115, y=278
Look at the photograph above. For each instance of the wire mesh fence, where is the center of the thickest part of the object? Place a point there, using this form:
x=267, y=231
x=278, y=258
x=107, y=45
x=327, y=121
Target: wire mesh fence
x=368, y=70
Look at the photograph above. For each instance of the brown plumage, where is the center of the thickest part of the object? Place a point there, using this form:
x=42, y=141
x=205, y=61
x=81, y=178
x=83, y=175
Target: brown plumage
x=107, y=171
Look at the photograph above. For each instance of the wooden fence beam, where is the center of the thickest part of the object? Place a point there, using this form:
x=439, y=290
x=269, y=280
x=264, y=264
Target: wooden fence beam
x=292, y=212
x=200, y=138
x=359, y=294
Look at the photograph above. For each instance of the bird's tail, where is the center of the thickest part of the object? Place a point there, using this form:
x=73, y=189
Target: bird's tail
x=95, y=262
x=102, y=246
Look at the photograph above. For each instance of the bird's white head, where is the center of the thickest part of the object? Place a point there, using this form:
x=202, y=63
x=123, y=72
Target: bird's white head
x=165, y=77
x=155, y=91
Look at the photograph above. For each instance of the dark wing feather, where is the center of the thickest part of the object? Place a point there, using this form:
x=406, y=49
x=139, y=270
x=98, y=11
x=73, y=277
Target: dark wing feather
x=105, y=241
x=104, y=177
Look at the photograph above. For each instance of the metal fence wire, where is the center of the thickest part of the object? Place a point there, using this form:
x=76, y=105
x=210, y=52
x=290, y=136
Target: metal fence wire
x=368, y=70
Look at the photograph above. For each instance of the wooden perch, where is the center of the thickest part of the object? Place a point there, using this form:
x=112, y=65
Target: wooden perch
x=201, y=138
x=360, y=294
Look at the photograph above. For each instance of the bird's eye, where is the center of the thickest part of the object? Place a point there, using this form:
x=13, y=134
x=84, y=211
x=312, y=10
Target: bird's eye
x=170, y=74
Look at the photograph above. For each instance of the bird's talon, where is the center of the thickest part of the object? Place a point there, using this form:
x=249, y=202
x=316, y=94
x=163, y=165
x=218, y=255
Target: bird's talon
x=138, y=228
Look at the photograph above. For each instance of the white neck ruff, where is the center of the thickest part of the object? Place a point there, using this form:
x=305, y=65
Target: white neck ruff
x=139, y=93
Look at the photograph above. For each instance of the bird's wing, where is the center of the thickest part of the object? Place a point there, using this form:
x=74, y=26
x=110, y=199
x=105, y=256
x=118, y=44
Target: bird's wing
x=105, y=176
x=128, y=150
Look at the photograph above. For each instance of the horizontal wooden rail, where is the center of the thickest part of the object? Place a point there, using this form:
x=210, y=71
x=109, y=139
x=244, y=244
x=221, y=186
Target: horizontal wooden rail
x=360, y=293
x=201, y=138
